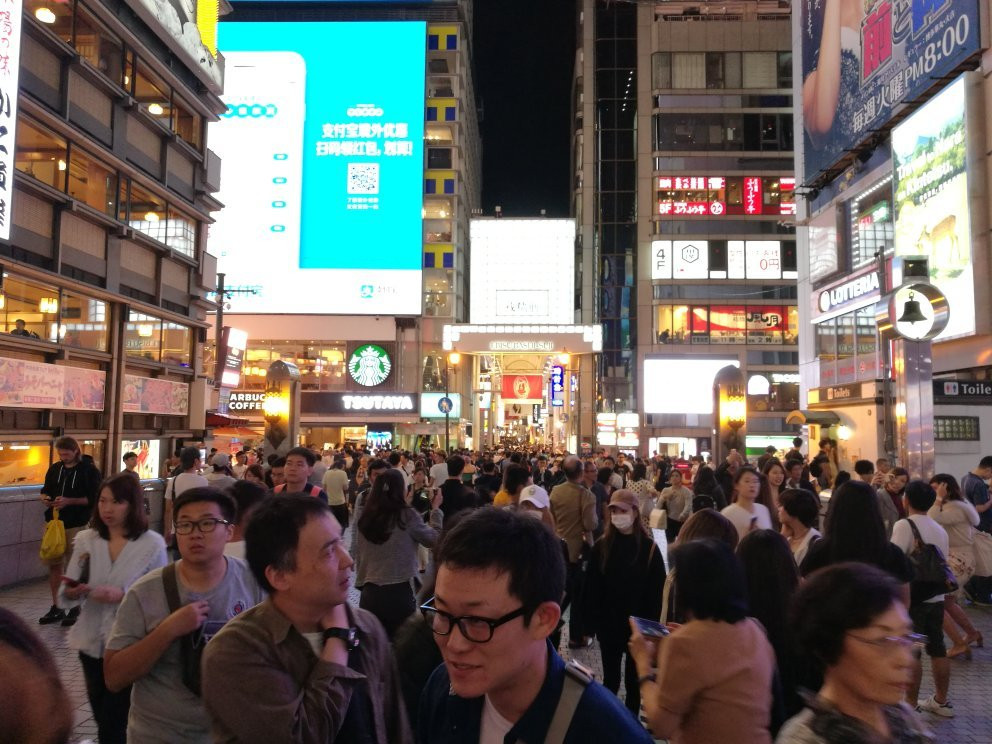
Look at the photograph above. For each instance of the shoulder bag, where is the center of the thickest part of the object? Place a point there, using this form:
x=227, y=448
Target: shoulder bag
x=931, y=574
x=982, y=546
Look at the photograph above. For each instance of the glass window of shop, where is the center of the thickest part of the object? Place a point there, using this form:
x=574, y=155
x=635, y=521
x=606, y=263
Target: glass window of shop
x=29, y=308
x=187, y=124
x=40, y=153
x=726, y=324
x=873, y=228
x=97, y=45
x=180, y=234
x=322, y=366
x=177, y=342
x=773, y=391
x=25, y=463
x=147, y=212
x=55, y=16
x=847, y=347
x=143, y=336
x=152, y=94
x=438, y=296
x=83, y=322
x=92, y=182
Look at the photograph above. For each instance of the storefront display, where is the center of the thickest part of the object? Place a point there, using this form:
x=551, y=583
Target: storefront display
x=149, y=456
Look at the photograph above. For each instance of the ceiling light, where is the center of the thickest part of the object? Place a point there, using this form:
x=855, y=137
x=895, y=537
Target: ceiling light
x=61, y=165
x=155, y=109
x=151, y=217
x=45, y=15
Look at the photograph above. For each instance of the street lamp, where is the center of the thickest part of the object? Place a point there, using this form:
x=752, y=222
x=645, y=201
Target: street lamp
x=452, y=361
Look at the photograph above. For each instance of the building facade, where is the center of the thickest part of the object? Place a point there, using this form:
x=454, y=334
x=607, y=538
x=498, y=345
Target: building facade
x=893, y=174
x=105, y=273
x=322, y=344
x=685, y=202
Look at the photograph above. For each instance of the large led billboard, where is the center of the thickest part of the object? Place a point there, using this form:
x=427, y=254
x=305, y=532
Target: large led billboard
x=930, y=180
x=862, y=60
x=322, y=167
x=673, y=385
x=522, y=271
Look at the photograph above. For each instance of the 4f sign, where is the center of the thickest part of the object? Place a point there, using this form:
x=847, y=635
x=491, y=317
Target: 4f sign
x=369, y=365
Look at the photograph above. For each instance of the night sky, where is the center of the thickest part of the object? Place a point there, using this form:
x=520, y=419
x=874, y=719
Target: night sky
x=524, y=56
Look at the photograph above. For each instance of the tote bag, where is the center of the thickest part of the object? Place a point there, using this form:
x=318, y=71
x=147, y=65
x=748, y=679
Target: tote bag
x=53, y=539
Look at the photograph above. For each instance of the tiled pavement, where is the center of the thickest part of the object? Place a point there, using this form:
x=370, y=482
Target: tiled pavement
x=971, y=681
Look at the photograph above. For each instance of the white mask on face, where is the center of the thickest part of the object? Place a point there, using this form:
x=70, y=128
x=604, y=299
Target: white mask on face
x=622, y=522
x=533, y=513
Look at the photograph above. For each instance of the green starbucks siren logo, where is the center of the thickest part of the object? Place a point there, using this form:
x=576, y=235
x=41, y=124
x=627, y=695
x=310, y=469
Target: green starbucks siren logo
x=369, y=365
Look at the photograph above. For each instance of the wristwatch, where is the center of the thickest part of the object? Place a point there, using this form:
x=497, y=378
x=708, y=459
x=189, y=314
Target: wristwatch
x=348, y=635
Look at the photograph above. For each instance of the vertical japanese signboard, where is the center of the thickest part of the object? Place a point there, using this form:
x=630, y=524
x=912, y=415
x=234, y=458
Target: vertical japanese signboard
x=10, y=65
x=862, y=61
x=557, y=386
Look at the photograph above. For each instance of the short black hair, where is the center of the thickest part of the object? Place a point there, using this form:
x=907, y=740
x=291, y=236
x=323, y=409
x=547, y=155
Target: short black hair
x=709, y=580
x=377, y=464
x=207, y=494
x=791, y=462
x=188, y=457
x=836, y=600
x=456, y=464
x=514, y=478
x=801, y=504
x=279, y=462
x=920, y=495
x=985, y=462
x=394, y=458
x=306, y=453
x=273, y=533
x=488, y=466
x=841, y=478
x=603, y=475
x=771, y=449
x=523, y=548
x=542, y=456
x=128, y=455
x=797, y=442
x=864, y=467
x=247, y=495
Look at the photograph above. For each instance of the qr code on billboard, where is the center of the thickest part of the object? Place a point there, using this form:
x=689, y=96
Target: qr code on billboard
x=363, y=178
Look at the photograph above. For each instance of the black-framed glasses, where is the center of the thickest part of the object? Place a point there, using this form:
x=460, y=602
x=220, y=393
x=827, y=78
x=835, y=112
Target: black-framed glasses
x=209, y=524
x=475, y=629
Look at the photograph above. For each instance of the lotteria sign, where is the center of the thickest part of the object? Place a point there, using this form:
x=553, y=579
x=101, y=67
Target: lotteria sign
x=862, y=287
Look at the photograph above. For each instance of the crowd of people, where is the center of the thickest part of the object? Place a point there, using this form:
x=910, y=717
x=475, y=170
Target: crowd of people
x=762, y=622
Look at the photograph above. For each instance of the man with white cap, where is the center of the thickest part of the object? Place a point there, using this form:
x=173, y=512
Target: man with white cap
x=535, y=502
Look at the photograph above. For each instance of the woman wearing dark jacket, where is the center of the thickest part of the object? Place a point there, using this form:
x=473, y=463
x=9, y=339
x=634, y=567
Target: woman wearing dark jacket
x=706, y=486
x=628, y=577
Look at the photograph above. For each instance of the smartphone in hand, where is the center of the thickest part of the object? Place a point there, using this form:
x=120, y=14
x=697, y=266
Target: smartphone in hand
x=650, y=628
x=70, y=582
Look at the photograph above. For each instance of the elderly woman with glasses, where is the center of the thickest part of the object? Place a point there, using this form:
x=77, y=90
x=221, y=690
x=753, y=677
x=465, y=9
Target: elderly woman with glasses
x=850, y=618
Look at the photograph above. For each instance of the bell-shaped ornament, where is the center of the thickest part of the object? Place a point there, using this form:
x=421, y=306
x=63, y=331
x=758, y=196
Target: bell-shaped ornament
x=911, y=312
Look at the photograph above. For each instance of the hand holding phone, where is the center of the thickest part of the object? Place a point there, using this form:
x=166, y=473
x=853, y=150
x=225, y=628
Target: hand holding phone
x=650, y=628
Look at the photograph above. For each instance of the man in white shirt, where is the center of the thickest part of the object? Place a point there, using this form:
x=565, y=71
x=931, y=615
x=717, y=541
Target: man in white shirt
x=240, y=465
x=439, y=470
x=189, y=461
x=927, y=612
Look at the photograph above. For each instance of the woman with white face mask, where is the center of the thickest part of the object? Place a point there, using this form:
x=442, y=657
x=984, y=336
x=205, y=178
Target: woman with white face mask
x=627, y=576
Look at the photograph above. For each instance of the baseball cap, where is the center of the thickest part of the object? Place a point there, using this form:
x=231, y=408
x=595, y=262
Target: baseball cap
x=221, y=459
x=624, y=498
x=537, y=496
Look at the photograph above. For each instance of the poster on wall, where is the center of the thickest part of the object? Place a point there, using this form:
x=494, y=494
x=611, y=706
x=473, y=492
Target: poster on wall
x=148, y=454
x=520, y=388
x=150, y=395
x=323, y=151
x=931, y=200
x=862, y=60
x=25, y=384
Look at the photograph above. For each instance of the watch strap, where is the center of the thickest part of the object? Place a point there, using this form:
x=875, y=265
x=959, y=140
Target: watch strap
x=348, y=635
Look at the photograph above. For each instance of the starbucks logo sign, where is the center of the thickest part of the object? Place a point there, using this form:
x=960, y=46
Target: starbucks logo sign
x=369, y=365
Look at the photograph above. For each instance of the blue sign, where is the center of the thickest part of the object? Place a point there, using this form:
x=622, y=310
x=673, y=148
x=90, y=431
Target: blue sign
x=323, y=161
x=445, y=405
x=857, y=76
x=557, y=385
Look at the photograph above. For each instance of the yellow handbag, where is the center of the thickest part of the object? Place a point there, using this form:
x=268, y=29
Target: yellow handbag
x=53, y=541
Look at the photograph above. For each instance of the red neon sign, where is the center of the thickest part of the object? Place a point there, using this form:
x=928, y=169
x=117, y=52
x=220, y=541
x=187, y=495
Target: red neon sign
x=752, y=195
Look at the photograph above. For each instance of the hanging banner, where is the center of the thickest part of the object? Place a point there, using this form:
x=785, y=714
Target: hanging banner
x=517, y=388
x=25, y=384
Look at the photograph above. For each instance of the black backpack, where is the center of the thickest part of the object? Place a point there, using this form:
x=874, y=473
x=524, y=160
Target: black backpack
x=702, y=501
x=931, y=575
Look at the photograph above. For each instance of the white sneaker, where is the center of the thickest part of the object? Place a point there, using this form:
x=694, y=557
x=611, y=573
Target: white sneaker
x=938, y=709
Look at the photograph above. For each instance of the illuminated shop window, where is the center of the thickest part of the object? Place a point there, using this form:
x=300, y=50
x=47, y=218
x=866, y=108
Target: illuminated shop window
x=92, y=182
x=83, y=322
x=33, y=303
x=55, y=16
x=176, y=344
x=143, y=336
x=152, y=94
x=40, y=153
x=188, y=124
x=97, y=45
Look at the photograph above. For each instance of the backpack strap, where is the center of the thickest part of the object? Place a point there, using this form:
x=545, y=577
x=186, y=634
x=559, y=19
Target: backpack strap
x=576, y=681
x=171, y=587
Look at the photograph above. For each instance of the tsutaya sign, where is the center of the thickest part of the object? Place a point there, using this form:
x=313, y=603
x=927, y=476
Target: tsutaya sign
x=861, y=290
x=378, y=402
x=523, y=338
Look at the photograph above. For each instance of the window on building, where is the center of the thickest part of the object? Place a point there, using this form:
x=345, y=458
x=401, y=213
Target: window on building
x=956, y=429
x=760, y=69
x=438, y=294
x=36, y=305
x=181, y=233
x=785, y=69
x=732, y=69
x=188, y=124
x=688, y=70
x=92, y=182
x=83, y=322
x=143, y=336
x=450, y=113
x=661, y=70
x=147, y=213
x=873, y=231
x=40, y=153
x=97, y=45
x=826, y=341
x=438, y=134
x=177, y=341
x=55, y=16
x=152, y=94
x=322, y=365
x=439, y=157
x=431, y=113
x=437, y=209
x=715, y=77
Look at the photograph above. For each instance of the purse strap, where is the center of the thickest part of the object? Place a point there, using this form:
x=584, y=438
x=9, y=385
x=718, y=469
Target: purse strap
x=916, y=533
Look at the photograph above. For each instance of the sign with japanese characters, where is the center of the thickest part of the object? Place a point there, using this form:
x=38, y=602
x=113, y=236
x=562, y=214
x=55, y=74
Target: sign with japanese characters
x=10, y=65
x=860, y=64
x=557, y=386
x=323, y=151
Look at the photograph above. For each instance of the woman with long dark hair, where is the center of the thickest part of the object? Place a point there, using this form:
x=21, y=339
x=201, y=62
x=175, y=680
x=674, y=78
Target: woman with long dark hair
x=958, y=517
x=772, y=580
x=706, y=490
x=854, y=531
x=388, y=533
x=772, y=484
x=116, y=550
x=747, y=512
x=627, y=579
x=710, y=680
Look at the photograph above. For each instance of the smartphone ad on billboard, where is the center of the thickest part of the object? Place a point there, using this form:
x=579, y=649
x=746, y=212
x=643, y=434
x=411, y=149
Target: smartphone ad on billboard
x=322, y=167
x=862, y=60
x=931, y=200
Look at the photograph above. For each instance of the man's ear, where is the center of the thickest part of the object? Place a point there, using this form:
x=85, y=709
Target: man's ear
x=278, y=579
x=545, y=619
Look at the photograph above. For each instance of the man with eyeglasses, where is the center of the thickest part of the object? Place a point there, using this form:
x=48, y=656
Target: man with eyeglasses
x=492, y=616
x=151, y=642
x=303, y=666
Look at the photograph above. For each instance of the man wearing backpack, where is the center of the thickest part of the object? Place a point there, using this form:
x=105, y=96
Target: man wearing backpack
x=168, y=616
x=492, y=616
x=926, y=608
